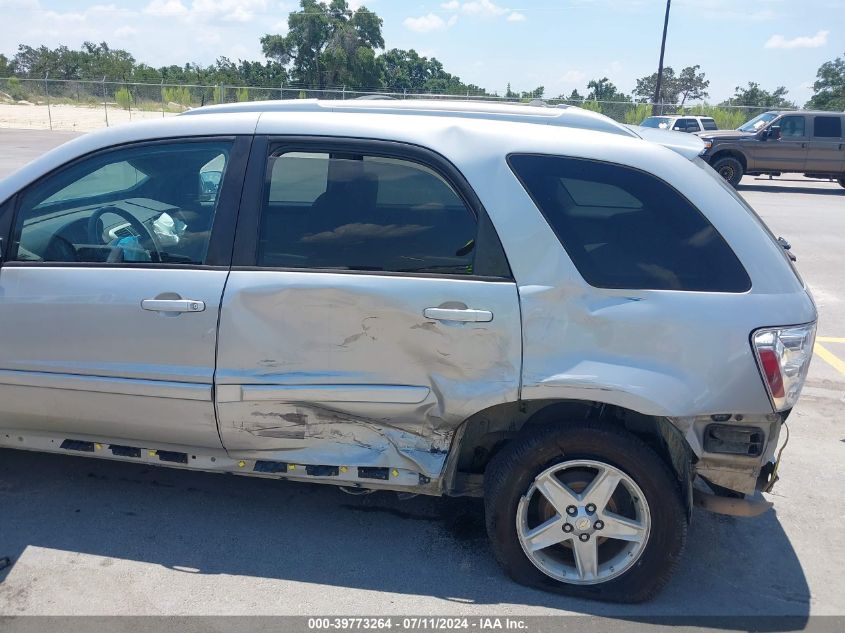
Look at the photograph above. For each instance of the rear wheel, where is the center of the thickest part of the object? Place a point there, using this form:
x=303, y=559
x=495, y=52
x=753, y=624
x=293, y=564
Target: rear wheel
x=585, y=510
x=730, y=169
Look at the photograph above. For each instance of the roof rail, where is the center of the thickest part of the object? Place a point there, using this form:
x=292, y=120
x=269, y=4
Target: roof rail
x=564, y=116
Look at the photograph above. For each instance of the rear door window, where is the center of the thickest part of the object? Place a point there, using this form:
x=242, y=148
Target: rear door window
x=827, y=127
x=363, y=213
x=624, y=228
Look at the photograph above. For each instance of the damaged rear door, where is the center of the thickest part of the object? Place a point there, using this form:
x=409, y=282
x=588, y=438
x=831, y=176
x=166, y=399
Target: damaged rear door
x=369, y=310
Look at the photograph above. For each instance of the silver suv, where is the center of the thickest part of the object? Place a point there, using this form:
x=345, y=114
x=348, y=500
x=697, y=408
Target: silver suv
x=590, y=330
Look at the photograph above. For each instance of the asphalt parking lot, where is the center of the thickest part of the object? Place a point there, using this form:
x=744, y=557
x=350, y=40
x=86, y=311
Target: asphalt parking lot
x=88, y=537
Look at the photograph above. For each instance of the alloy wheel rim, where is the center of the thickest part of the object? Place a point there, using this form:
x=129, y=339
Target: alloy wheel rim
x=585, y=536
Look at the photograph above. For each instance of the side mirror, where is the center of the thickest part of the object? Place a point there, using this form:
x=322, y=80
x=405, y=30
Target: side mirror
x=209, y=184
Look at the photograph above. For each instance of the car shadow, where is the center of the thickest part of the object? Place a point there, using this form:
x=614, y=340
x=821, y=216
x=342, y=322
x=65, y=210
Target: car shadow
x=759, y=186
x=218, y=524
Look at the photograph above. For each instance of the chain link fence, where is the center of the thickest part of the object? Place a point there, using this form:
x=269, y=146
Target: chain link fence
x=88, y=105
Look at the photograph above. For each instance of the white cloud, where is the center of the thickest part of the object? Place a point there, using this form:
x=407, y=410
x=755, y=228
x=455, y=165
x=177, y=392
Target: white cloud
x=516, y=16
x=166, y=8
x=227, y=10
x=805, y=41
x=19, y=4
x=573, y=77
x=429, y=22
x=483, y=8
x=204, y=10
x=125, y=31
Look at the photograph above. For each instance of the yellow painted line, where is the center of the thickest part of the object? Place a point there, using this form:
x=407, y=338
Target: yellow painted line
x=830, y=358
x=830, y=339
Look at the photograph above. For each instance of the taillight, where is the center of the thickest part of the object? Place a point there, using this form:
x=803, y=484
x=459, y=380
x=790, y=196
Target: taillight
x=783, y=355
x=771, y=371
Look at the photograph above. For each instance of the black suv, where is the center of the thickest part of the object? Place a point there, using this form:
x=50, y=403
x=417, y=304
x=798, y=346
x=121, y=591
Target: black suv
x=805, y=142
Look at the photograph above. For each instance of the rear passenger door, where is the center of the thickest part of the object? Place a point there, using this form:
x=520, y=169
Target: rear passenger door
x=368, y=312
x=827, y=146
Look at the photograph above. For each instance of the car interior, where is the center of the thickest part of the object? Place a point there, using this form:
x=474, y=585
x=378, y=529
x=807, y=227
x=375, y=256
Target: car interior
x=144, y=205
x=353, y=212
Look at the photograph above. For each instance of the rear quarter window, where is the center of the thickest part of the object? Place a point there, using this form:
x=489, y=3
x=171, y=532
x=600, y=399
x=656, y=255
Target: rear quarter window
x=624, y=228
x=709, y=124
x=827, y=127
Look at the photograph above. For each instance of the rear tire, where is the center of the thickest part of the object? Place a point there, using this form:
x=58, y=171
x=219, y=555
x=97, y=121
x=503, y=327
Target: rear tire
x=841, y=182
x=730, y=169
x=511, y=484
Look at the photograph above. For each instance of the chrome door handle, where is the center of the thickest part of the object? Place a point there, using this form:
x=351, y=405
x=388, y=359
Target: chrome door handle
x=173, y=305
x=467, y=315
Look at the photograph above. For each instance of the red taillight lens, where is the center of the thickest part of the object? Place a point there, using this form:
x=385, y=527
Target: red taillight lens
x=783, y=355
x=771, y=369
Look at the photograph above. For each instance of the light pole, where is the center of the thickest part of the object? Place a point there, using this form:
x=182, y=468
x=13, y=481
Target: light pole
x=656, y=99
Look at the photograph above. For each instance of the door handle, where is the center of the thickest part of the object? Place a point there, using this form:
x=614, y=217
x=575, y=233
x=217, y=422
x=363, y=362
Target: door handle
x=173, y=305
x=466, y=315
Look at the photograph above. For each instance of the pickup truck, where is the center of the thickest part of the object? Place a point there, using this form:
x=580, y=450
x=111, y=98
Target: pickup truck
x=805, y=142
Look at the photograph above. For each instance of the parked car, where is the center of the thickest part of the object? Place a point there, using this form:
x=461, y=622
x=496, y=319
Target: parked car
x=590, y=330
x=678, y=123
x=805, y=142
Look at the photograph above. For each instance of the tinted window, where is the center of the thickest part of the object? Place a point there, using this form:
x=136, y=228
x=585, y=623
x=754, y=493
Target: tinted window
x=709, y=124
x=687, y=125
x=624, y=228
x=355, y=212
x=150, y=204
x=656, y=121
x=827, y=127
x=791, y=126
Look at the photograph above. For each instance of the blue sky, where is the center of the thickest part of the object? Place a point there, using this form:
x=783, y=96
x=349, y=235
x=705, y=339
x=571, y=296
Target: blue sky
x=560, y=44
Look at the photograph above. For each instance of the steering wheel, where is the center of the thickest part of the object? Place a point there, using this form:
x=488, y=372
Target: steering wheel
x=95, y=233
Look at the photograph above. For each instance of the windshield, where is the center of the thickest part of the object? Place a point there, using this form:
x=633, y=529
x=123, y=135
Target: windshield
x=657, y=121
x=757, y=122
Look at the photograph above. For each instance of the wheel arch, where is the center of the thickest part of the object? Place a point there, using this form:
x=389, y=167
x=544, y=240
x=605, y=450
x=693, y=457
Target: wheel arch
x=730, y=153
x=483, y=434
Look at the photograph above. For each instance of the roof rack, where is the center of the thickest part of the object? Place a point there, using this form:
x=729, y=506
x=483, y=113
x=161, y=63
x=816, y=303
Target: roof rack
x=564, y=116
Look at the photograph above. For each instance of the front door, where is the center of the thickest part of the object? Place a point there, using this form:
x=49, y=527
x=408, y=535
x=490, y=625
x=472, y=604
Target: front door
x=787, y=153
x=110, y=292
x=372, y=315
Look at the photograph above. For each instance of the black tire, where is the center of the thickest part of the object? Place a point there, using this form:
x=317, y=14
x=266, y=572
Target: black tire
x=512, y=471
x=730, y=169
x=841, y=182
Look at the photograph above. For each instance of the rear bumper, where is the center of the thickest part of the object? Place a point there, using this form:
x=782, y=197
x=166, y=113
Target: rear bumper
x=748, y=505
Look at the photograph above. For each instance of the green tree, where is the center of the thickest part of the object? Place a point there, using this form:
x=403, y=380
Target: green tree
x=669, y=88
x=829, y=87
x=604, y=90
x=616, y=103
x=692, y=85
x=5, y=66
x=537, y=93
x=754, y=96
x=329, y=45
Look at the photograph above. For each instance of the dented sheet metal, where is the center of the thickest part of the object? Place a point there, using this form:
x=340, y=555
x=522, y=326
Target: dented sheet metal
x=327, y=368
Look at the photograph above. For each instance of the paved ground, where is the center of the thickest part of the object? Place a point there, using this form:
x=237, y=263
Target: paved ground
x=106, y=538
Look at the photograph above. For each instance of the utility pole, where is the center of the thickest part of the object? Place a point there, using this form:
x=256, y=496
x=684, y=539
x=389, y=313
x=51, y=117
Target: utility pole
x=656, y=99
